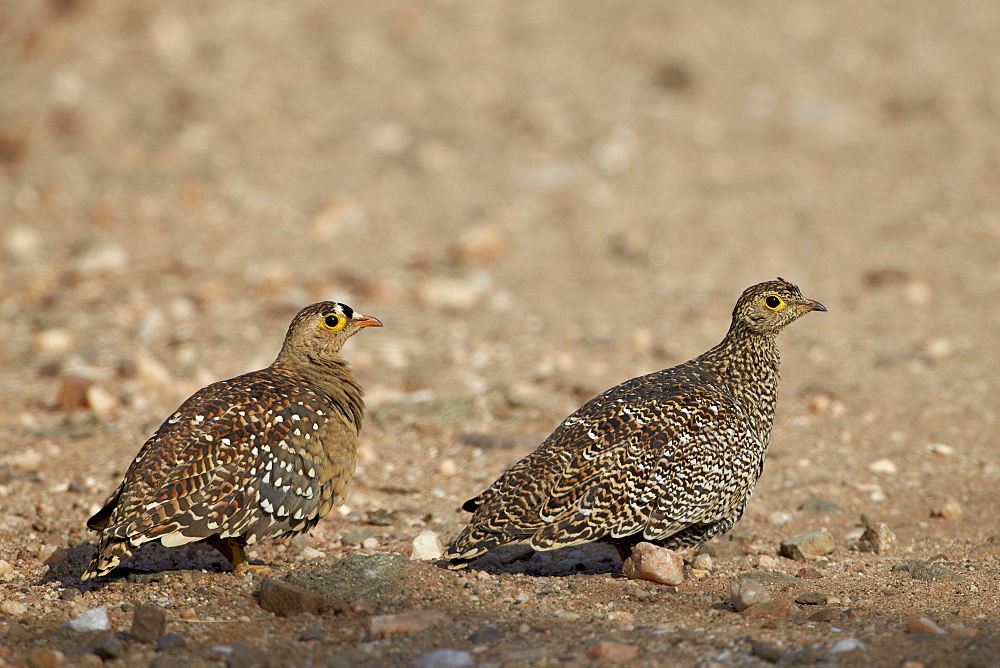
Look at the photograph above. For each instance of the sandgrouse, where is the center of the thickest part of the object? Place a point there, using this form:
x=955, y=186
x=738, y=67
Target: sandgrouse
x=669, y=458
x=262, y=455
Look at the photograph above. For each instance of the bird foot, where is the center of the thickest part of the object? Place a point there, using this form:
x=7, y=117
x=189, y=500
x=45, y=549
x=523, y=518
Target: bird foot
x=242, y=569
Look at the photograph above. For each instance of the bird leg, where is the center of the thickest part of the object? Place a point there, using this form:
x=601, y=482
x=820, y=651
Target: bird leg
x=232, y=550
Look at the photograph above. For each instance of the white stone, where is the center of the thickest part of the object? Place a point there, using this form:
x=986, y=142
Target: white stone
x=886, y=466
x=100, y=260
x=448, y=468
x=101, y=401
x=95, y=619
x=55, y=341
x=778, y=517
x=847, y=645
x=308, y=553
x=426, y=547
x=26, y=461
x=941, y=449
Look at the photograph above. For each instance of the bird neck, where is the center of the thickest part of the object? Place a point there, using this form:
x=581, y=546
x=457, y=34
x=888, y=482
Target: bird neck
x=746, y=363
x=330, y=377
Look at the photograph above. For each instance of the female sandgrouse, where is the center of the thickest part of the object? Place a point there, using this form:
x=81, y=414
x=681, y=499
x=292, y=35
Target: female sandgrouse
x=669, y=458
x=262, y=455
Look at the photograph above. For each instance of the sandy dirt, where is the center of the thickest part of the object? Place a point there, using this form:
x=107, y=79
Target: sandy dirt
x=539, y=200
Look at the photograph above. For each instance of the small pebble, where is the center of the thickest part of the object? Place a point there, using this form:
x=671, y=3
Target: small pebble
x=110, y=648
x=6, y=571
x=779, y=518
x=774, y=609
x=54, y=342
x=766, y=650
x=358, y=536
x=448, y=468
x=817, y=505
x=13, y=608
x=101, y=401
x=26, y=460
x=825, y=615
x=445, y=658
x=312, y=632
x=607, y=650
x=370, y=543
x=746, y=593
x=924, y=625
x=941, y=449
x=246, y=655
x=655, y=564
x=479, y=244
x=309, y=553
x=886, y=466
x=487, y=634
x=386, y=626
x=877, y=538
x=46, y=658
x=766, y=562
x=809, y=573
x=703, y=562
x=949, y=509
x=811, y=598
x=453, y=294
x=809, y=546
x=148, y=622
x=426, y=546
x=168, y=642
x=847, y=645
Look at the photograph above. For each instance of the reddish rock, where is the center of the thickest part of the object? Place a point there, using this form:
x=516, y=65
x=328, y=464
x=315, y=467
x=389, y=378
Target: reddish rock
x=923, y=625
x=385, y=626
x=825, y=615
x=284, y=599
x=775, y=609
x=148, y=623
x=72, y=393
x=654, y=564
x=612, y=651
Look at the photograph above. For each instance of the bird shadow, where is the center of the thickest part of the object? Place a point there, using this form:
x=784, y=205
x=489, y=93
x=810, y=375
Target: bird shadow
x=589, y=559
x=150, y=564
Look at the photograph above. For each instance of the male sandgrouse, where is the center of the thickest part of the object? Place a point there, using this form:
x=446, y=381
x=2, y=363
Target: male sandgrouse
x=669, y=458
x=262, y=455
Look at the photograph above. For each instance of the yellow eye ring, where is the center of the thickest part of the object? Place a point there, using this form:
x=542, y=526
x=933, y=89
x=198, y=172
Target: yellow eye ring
x=333, y=322
x=773, y=303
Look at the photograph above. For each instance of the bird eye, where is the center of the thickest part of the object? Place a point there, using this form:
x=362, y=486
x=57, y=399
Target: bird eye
x=774, y=302
x=333, y=322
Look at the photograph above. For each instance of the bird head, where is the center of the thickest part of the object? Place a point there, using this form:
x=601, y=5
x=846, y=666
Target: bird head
x=767, y=307
x=320, y=330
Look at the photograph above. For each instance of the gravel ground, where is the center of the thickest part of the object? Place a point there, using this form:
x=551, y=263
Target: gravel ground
x=539, y=200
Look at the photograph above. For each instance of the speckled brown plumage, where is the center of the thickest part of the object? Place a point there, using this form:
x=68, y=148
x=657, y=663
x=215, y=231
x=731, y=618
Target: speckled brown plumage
x=262, y=455
x=669, y=458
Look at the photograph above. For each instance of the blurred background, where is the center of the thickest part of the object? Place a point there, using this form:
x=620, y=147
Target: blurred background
x=539, y=200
